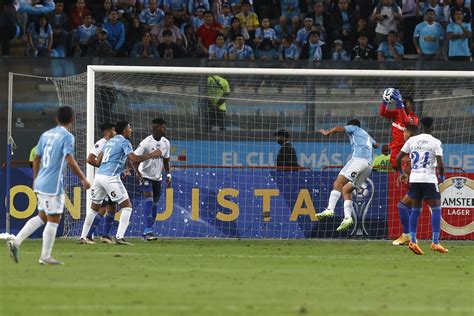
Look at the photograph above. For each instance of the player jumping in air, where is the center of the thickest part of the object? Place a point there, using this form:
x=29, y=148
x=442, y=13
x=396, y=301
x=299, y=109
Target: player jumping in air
x=354, y=173
x=426, y=155
x=55, y=148
x=150, y=173
x=107, y=180
x=401, y=116
x=108, y=131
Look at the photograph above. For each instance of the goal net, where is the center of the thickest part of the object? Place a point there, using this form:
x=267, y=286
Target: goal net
x=225, y=183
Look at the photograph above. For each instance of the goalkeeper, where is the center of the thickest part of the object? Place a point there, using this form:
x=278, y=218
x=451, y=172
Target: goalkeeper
x=401, y=116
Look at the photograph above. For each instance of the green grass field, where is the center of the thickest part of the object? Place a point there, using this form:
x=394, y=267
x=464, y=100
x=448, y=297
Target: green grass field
x=239, y=277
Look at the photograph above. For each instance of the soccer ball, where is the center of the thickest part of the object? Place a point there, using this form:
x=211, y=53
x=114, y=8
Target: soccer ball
x=387, y=95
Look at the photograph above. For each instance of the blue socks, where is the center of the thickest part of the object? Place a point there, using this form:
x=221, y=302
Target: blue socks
x=436, y=223
x=404, y=212
x=147, y=214
x=107, y=227
x=415, y=214
x=95, y=223
x=154, y=210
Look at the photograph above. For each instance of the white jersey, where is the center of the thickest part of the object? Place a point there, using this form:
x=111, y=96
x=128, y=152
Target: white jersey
x=423, y=150
x=97, y=149
x=152, y=168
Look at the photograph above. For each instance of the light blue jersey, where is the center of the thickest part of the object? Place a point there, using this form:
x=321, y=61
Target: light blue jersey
x=218, y=51
x=115, y=155
x=53, y=147
x=460, y=46
x=429, y=37
x=362, y=143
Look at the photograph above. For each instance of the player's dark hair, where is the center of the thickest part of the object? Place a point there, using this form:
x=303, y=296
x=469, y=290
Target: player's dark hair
x=167, y=33
x=393, y=32
x=208, y=13
x=413, y=129
x=120, y=126
x=159, y=121
x=427, y=123
x=65, y=114
x=429, y=11
x=315, y=32
x=354, y=122
x=409, y=98
x=106, y=126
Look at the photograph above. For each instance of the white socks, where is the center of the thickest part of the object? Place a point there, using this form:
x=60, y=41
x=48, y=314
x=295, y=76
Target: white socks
x=49, y=235
x=124, y=221
x=90, y=215
x=333, y=198
x=348, y=209
x=30, y=227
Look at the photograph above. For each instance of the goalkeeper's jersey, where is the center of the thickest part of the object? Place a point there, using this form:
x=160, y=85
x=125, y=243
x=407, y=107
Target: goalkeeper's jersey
x=399, y=120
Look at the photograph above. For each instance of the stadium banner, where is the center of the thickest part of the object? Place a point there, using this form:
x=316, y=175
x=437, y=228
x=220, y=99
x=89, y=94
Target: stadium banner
x=310, y=155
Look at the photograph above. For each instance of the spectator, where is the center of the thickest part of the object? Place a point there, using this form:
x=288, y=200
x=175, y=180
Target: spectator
x=438, y=11
x=283, y=29
x=124, y=6
x=460, y=5
x=339, y=53
x=314, y=49
x=59, y=23
x=235, y=29
x=387, y=15
x=365, y=8
x=145, y=49
x=236, y=5
x=77, y=14
x=225, y=18
x=240, y=51
x=208, y=32
x=302, y=34
x=218, y=91
x=295, y=25
x=168, y=49
x=265, y=32
x=458, y=34
x=40, y=38
x=190, y=42
x=286, y=158
x=134, y=35
x=288, y=49
x=176, y=7
x=103, y=14
x=381, y=163
x=218, y=50
x=320, y=17
x=115, y=32
x=290, y=8
x=391, y=50
x=82, y=36
x=195, y=4
x=410, y=13
x=167, y=24
x=216, y=8
x=343, y=20
x=198, y=20
x=361, y=28
x=428, y=37
x=266, y=50
x=100, y=47
x=268, y=8
x=8, y=27
x=248, y=19
x=363, y=50
x=151, y=16
x=145, y=4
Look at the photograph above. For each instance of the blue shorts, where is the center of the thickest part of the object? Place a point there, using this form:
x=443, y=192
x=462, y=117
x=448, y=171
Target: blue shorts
x=421, y=191
x=152, y=186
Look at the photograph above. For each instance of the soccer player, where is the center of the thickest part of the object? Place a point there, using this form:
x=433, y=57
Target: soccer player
x=108, y=131
x=401, y=116
x=150, y=173
x=426, y=155
x=354, y=173
x=107, y=180
x=55, y=148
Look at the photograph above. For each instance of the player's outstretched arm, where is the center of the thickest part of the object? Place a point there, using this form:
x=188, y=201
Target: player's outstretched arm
x=71, y=162
x=403, y=176
x=386, y=98
x=336, y=129
x=140, y=158
x=440, y=163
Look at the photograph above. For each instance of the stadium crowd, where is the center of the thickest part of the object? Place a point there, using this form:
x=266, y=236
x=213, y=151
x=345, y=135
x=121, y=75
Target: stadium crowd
x=387, y=30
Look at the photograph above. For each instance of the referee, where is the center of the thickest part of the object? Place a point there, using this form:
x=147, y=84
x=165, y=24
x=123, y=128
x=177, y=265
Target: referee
x=287, y=155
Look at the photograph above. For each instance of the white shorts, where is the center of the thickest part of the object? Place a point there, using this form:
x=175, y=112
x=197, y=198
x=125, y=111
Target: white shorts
x=50, y=204
x=356, y=171
x=111, y=186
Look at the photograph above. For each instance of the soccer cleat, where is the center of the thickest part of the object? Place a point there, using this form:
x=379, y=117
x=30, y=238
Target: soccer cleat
x=13, y=250
x=345, y=225
x=86, y=241
x=439, y=248
x=149, y=237
x=415, y=248
x=325, y=214
x=403, y=240
x=50, y=261
x=122, y=241
x=106, y=240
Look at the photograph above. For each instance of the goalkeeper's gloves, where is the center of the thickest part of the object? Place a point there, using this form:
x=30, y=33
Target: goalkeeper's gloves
x=398, y=99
